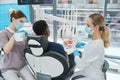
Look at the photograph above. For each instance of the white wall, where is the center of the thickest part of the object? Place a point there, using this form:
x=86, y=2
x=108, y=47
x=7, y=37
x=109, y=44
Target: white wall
x=8, y=1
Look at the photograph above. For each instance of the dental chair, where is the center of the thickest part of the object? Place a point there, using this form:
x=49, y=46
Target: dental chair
x=47, y=65
x=0, y=64
x=104, y=69
x=1, y=75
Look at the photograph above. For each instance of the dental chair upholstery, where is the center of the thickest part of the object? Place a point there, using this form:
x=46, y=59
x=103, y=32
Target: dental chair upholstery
x=1, y=74
x=0, y=64
x=49, y=63
x=104, y=69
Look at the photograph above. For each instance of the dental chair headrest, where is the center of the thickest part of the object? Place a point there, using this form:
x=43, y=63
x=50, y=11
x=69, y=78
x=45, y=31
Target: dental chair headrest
x=38, y=44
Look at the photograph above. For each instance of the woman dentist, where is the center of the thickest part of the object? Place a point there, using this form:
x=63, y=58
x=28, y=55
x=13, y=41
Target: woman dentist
x=91, y=62
x=14, y=64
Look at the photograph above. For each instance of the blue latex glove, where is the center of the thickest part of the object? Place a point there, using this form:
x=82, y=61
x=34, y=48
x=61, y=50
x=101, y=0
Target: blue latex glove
x=80, y=44
x=76, y=53
x=26, y=33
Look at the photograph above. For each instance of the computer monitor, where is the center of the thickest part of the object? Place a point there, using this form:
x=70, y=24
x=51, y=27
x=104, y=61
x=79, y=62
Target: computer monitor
x=30, y=2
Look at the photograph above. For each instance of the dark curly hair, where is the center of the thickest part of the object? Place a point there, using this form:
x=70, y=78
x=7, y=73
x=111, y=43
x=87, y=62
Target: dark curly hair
x=39, y=27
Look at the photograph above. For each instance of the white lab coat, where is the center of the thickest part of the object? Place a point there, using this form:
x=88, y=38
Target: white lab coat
x=92, y=60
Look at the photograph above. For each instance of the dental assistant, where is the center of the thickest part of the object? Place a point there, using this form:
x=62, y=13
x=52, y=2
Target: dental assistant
x=91, y=62
x=14, y=63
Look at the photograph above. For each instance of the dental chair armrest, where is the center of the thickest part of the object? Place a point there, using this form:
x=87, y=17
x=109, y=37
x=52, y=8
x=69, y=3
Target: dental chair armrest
x=72, y=66
x=1, y=74
x=77, y=77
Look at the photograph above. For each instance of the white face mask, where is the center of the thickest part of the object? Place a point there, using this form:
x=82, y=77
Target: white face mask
x=88, y=30
x=19, y=25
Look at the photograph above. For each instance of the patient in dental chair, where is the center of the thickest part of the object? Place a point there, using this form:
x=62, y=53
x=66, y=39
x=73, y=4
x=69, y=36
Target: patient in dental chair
x=41, y=28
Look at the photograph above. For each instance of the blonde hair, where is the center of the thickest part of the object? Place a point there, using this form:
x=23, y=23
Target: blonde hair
x=99, y=20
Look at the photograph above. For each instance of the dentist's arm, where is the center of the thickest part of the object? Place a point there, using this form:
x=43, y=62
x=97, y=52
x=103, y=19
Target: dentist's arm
x=9, y=45
x=87, y=58
x=80, y=62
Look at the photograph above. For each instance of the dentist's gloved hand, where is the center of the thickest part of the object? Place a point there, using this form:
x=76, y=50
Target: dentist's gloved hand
x=25, y=32
x=80, y=44
x=76, y=53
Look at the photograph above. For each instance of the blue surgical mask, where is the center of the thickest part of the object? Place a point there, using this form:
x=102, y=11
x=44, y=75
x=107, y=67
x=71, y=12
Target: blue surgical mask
x=88, y=30
x=19, y=25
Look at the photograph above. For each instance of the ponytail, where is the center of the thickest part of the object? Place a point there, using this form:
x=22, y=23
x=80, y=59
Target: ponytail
x=105, y=36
